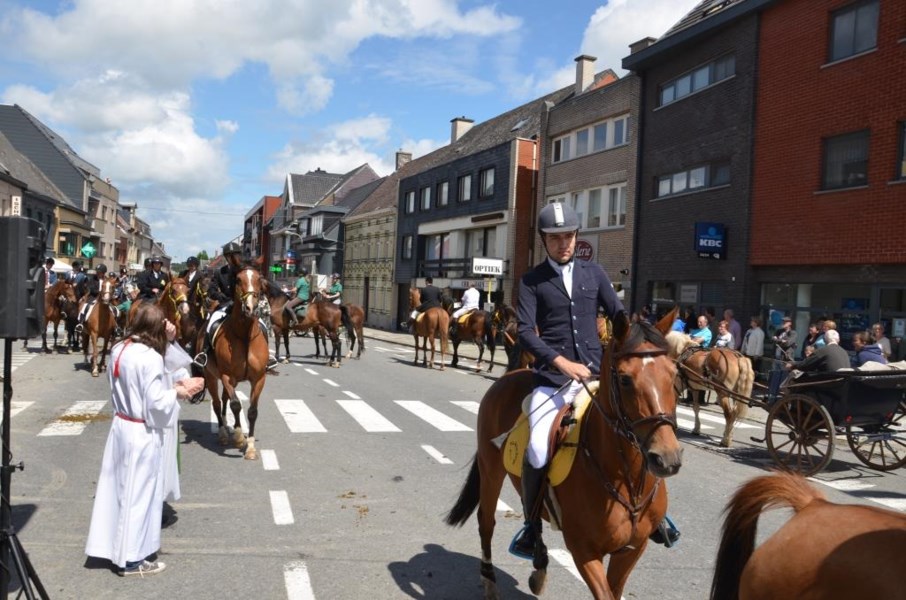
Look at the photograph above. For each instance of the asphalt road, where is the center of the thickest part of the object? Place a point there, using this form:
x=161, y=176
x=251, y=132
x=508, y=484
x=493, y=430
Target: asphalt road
x=359, y=465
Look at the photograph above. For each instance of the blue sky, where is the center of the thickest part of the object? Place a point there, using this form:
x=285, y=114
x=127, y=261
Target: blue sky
x=196, y=114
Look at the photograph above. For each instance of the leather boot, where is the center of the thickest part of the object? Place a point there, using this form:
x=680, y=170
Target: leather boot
x=532, y=486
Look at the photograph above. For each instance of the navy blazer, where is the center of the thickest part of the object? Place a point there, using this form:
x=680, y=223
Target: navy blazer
x=566, y=326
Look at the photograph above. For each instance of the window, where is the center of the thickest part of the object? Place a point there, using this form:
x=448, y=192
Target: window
x=443, y=193
x=599, y=136
x=595, y=207
x=854, y=29
x=696, y=178
x=846, y=161
x=702, y=77
x=616, y=207
x=486, y=180
x=582, y=142
x=407, y=246
x=426, y=198
x=901, y=172
x=465, y=188
x=437, y=246
x=481, y=242
x=410, y=203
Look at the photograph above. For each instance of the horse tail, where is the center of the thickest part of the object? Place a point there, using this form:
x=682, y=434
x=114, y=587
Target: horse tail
x=490, y=331
x=344, y=318
x=737, y=543
x=469, y=497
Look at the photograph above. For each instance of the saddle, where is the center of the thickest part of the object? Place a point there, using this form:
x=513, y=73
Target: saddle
x=563, y=437
x=464, y=318
x=300, y=310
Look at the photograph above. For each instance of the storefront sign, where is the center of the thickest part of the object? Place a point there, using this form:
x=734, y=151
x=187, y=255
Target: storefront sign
x=487, y=266
x=688, y=294
x=584, y=250
x=710, y=240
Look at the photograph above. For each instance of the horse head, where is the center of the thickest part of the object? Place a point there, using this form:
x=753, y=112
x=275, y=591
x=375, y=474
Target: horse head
x=415, y=298
x=642, y=398
x=177, y=294
x=106, y=288
x=248, y=291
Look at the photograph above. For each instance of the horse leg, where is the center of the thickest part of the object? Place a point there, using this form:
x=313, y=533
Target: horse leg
x=239, y=439
x=729, y=420
x=431, y=363
x=492, y=475
x=619, y=568
x=455, y=360
x=696, y=398
x=480, y=345
x=415, y=337
x=250, y=452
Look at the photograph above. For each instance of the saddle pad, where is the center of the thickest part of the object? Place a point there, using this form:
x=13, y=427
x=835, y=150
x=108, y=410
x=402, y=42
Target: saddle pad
x=463, y=319
x=301, y=310
x=517, y=440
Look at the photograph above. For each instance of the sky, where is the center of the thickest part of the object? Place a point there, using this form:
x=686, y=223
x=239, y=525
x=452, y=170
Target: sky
x=196, y=109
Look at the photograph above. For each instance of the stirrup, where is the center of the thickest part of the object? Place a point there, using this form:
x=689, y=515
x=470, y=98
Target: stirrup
x=515, y=548
x=200, y=360
x=79, y=328
x=271, y=363
x=666, y=533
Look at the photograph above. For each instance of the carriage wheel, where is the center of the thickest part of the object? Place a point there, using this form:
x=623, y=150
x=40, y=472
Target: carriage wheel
x=800, y=434
x=883, y=449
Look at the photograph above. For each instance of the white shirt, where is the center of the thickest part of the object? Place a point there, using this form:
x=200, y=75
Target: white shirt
x=566, y=272
x=470, y=298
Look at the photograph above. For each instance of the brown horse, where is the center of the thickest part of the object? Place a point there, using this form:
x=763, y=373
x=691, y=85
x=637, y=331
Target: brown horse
x=506, y=322
x=476, y=326
x=325, y=317
x=239, y=353
x=826, y=550
x=433, y=323
x=723, y=370
x=100, y=323
x=614, y=496
x=59, y=302
x=355, y=328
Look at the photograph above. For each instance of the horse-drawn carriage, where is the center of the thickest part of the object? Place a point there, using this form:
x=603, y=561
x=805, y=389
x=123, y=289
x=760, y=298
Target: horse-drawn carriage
x=868, y=407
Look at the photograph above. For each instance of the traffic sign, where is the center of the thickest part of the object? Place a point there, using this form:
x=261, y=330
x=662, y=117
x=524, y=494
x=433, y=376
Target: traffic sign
x=88, y=250
x=276, y=269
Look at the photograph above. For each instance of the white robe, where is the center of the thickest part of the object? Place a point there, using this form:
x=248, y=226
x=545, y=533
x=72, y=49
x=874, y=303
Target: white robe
x=176, y=365
x=126, y=519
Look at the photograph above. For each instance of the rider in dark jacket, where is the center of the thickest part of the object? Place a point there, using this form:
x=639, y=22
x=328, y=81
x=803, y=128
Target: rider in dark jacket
x=431, y=296
x=152, y=282
x=89, y=289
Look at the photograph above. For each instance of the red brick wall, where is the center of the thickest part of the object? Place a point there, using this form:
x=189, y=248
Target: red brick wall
x=801, y=100
x=523, y=230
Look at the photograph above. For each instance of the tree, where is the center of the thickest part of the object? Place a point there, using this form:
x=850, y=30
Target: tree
x=203, y=255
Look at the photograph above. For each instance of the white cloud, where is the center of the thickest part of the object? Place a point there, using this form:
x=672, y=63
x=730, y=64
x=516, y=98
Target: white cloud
x=610, y=31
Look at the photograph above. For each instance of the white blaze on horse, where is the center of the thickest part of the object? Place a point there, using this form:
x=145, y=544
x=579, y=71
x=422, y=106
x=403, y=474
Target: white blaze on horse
x=727, y=372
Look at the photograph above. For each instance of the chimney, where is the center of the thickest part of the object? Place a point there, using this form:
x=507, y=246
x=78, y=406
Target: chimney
x=402, y=158
x=585, y=72
x=641, y=44
x=461, y=125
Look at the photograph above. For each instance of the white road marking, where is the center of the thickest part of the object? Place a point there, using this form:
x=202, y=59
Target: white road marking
x=15, y=407
x=75, y=419
x=686, y=424
x=898, y=504
x=351, y=395
x=242, y=396
x=269, y=460
x=436, y=455
x=503, y=506
x=329, y=382
x=469, y=405
x=566, y=561
x=299, y=417
x=712, y=418
x=432, y=416
x=852, y=485
x=370, y=419
x=283, y=512
x=311, y=371
x=298, y=582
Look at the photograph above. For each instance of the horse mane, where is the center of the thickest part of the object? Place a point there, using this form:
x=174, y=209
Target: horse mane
x=677, y=342
x=272, y=290
x=641, y=332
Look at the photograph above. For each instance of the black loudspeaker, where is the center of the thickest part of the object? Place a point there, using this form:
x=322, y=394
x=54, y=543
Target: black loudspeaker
x=21, y=277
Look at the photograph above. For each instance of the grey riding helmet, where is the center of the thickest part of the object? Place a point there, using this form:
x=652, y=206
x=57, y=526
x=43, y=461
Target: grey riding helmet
x=557, y=217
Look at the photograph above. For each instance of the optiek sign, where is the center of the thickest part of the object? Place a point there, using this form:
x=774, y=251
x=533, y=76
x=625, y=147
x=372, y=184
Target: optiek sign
x=711, y=240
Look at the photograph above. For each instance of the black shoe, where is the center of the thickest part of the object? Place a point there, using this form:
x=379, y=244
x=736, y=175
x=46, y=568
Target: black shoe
x=532, y=489
x=666, y=533
x=271, y=363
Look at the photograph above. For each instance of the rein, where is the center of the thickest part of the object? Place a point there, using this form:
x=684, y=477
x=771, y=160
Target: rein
x=624, y=427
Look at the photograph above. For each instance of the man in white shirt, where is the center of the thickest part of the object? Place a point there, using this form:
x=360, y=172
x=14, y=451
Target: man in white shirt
x=469, y=301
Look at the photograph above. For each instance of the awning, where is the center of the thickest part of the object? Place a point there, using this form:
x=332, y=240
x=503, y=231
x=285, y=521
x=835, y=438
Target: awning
x=61, y=266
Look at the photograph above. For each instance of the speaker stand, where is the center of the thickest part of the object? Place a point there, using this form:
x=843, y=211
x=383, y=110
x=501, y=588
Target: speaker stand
x=12, y=554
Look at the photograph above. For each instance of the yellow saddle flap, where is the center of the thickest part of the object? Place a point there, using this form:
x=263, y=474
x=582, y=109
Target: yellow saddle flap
x=517, y=440
x=464, y=318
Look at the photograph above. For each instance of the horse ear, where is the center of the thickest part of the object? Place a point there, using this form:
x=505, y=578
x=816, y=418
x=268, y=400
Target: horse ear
x=666, y=323
x=258, y=261
x=621, y=327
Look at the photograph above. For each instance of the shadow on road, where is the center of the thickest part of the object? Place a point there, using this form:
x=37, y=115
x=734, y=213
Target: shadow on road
x=439, y=574
x=199, y=432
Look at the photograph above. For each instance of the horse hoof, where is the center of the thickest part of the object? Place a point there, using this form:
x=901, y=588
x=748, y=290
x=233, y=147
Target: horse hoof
x=725, y=443
x=490, y=589
x=251, y=454
x=94, y=373
x=285, y=361
x=537, y=580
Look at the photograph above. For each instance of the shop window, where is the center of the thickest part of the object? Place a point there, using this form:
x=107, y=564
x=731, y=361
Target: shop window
x=854, y=29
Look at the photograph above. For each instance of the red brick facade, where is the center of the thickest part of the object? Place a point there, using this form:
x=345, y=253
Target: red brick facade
x=522, y=229
x=801, y=100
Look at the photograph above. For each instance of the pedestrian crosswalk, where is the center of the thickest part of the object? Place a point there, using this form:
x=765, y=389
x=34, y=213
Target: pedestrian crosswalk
x=19, y=357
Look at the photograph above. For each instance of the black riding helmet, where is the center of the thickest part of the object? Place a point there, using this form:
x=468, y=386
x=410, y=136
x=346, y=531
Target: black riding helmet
x=76, y=264
x=192, y=260
x=303, y=272
x=101, y=268
x=232, y=248
x=156, y=259
x=147, y=262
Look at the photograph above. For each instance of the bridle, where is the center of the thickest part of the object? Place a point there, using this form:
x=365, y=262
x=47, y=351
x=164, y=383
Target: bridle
x=625, y=427
x=176, y=300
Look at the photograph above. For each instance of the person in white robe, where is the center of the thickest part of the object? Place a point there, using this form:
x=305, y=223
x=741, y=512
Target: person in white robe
x=126, y=518
x=176, y=367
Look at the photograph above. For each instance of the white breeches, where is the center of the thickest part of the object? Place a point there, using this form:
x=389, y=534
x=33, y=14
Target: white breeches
x=542, y=410
x=218, y=315
x=463, y=310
